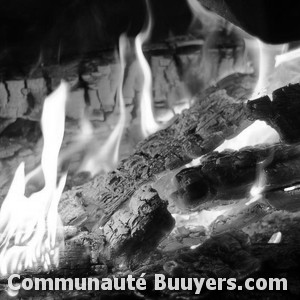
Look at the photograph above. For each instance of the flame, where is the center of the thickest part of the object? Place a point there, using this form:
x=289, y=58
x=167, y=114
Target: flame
x=106, y=158
x=257, y=133
x=286, y=57
x=266, y=55
x=209, y=19
x=81, y=140
x=275, y=238
x=28, y=225
x=178, y=109
x=292, y=188
x=259, y=186
x=148, y=123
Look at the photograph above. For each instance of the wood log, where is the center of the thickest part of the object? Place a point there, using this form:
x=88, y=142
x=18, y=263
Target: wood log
x=190, y=135
x=231, y=175
x=281, y=113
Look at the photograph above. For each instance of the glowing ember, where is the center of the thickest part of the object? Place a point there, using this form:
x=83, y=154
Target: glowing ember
x=292, y=188
x=148, y=123
x=196, y=246
x=106, y=158
x=28, y=225
x=275, y=238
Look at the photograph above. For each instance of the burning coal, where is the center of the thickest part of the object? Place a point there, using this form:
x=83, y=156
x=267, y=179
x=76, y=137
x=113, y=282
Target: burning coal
x=29, y=225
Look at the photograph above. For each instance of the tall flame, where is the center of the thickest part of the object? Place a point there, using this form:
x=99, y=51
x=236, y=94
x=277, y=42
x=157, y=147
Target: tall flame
x=106, y=158
x=28, y=225
x=266, y=55
x=148, y=123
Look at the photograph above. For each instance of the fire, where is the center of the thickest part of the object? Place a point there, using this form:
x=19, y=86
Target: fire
x=207, y=18
x=275, y=238
x=148, y=123
x=106, y=158
x=286, y=57
x=29, y=225
x=292, y=188
x=259, y=185
x=266, y=55
x=265, y=65
x=257, y=133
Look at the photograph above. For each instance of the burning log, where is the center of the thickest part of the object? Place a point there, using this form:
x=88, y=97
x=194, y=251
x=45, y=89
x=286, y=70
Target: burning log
x=231, y=175
x=190, y=135
x=282, y=113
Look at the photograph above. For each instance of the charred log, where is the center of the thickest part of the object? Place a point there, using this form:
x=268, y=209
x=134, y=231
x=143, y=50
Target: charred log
x=231, y=174
x=191, y=134
x=282, y=113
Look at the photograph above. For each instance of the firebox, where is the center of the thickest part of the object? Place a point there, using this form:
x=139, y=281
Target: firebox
x=149, y=149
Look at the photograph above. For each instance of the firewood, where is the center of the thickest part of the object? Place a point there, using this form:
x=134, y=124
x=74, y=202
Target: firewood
x=231, y=175
x=216, y=115
x=282, y=113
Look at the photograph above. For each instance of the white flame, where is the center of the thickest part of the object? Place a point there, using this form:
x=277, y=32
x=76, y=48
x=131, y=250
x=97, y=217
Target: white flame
x=286, y=57
x=275, y=238
x=259, y=186
x=106, y=158
x=292, y=188
x=28, y=225
x=265, y=55
x=257, y=133
x=178, y=109
x=148, y=123
x=207, y=18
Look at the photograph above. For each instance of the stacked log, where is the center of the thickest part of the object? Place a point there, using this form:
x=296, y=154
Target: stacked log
x=191, y=134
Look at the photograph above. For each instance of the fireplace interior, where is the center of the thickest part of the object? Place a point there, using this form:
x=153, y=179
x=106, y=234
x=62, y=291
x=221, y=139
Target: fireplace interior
x=150, y=137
